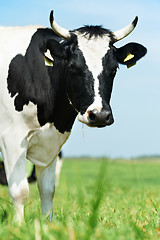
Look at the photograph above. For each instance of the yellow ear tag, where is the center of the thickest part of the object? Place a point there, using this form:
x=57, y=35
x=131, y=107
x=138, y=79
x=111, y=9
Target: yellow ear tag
x=129, y=57
x=48, y=62
x=48, y=59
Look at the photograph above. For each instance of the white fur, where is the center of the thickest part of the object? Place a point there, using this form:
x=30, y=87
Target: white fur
x=44, y=144
x=46, y=185
x=19, y=192
x=93, y=49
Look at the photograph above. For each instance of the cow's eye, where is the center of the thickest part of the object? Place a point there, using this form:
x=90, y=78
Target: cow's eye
x=72, y=67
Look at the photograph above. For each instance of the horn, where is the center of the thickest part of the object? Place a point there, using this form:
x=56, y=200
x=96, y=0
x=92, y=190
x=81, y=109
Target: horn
x=64, y=33
x=122, y=33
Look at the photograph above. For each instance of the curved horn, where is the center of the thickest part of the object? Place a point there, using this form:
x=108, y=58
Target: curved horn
x=122, y=33
x=64, y=33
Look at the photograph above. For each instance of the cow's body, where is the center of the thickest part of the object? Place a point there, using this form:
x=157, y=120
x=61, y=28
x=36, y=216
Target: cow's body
x=39, y=103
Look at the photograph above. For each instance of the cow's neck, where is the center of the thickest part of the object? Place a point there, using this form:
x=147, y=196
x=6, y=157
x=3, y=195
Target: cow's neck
x=64, y=114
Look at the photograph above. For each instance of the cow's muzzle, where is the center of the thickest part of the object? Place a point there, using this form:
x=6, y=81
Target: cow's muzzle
x=100, y=119
x=95, y=118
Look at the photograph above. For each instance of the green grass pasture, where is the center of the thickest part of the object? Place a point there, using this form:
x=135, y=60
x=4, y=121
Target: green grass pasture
x=96, y=199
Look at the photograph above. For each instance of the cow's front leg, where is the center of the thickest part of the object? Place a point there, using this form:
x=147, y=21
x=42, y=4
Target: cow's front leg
x=46, y=185
x=13, y=148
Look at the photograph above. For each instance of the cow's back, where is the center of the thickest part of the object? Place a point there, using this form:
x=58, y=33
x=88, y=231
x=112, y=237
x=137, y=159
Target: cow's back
x=14, y=40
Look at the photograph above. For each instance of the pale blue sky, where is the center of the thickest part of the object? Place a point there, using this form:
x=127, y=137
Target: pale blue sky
x=136, y=93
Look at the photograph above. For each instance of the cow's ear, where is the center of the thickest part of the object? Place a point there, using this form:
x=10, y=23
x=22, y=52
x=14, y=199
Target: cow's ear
x=130, y=54
x=56, y=49
x=53, y=50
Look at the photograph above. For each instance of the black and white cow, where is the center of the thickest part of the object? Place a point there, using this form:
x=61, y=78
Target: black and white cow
x=48, y=77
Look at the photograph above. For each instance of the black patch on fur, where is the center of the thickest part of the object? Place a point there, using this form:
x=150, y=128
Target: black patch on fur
x=80, y=82
x=64, y=114
x=30, y=80
x=32, y=178
x=3, y=178
x=95, y=31
x=106, y=78
x=136, y=49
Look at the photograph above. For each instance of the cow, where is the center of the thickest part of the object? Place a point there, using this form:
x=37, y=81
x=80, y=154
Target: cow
x=50, y=76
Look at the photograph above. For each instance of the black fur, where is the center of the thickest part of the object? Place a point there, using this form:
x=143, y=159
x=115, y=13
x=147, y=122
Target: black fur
x=31, y=80
x=3, y=178
x=64, y=114
x=79, y=82
x=134, y=48
x=95, y=31
x=106, y=78
x=28, y=77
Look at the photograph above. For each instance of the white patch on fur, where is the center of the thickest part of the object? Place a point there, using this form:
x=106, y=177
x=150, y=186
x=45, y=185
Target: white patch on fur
x=44, y=144
x=93, y=49
x=46, y=186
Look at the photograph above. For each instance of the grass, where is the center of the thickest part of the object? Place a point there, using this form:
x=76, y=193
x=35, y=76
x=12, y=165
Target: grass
x=96, y=199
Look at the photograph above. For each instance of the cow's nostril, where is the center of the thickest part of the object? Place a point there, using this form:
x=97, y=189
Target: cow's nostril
x=92, y=116
x=108, y=117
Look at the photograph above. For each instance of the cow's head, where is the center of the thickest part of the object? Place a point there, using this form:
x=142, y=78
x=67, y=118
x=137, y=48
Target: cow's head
x=92, y=62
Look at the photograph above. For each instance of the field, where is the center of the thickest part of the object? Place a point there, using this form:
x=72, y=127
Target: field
x=96, y=199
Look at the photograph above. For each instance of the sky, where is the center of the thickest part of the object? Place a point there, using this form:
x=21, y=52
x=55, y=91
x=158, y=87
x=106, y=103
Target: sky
x=135, y=98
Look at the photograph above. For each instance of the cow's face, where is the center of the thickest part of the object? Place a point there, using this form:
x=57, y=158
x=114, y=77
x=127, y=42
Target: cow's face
x=92, y=62
x=90, y=73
